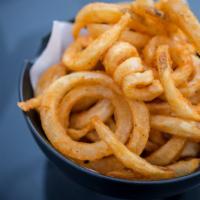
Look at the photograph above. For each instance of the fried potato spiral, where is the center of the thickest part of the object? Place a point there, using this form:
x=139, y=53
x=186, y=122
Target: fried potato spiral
x=77, y=59
x=122, y=61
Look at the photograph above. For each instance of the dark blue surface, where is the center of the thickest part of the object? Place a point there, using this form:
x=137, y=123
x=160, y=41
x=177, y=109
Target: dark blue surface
x=24, y=171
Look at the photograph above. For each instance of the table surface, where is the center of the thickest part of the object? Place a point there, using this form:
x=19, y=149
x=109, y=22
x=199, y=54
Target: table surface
x=24, y=171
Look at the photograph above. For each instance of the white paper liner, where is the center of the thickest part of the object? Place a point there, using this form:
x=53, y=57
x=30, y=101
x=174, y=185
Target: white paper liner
x=60, y=38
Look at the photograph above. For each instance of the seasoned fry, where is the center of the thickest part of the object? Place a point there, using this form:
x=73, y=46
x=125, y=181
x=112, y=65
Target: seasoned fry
x=137, y=39
x=176, y=126
x=167, y=153
x=103, y=109
x=177, y=46
x=118, y=53
x=80, y=133
x=30, y=104
x=191, y=149
x=192, y=87
x=76, y=60
x=150, y=147
x=51, y=74
x=185, y=67
x=145, y=2
x=144, y=25
x=180, y=14
x=123, y=63
x=133, y=90
x=107, y=13
x=128, y=158
x=125, y=174
x=92, y=136
x=124, y=5
x=181, y=106
x=183, y=168
x=157, y=137
x=55, y=131
x=159, y=108
x=141, y=127
x=84, y=104
x=104, y=165
x=152, y=15
x=103, y=113
x=86, y=127
x=196, y=99
x=149, y=52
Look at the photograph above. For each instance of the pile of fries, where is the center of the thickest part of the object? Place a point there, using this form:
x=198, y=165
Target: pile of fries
x=124, y=99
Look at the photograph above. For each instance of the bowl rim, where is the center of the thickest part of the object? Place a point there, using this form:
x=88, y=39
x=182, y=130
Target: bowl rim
x=28, y=64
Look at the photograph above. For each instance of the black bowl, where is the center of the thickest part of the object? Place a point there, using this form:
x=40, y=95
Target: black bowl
x=106, y=185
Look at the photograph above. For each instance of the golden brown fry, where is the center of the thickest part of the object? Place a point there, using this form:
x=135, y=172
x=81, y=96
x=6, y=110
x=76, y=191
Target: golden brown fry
x=144, y=25
x=159, y=108
x=123, y=63
x=51, y=74
x=142, y=86
x=30, y=104
x=181, y=15
x=167, y=153
x=157, y=137
x=97, y=13
x=195, y=100
x=176, y=126
x=125, y=174
x=181, y=106
x=119, y=52
x=110, y=122
x=107, y=13
x=191, y=149
x=104, y=165
x=150, y=50
x=128, y=158
x=77, y=134
x=84, y=104
x=57, y=134
x=175, y=33
x=137, y=39
x=193, y=87
x=183, y=168
x=77, y=59
x=103, y=109
x=178, y=46
x=93, y=136
x=124, y=5
x=184, y=63
x=104, y=112
x=141, y=127
x=147, y=8
x=145, y=2
x=150, y=147
x=152, y=15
